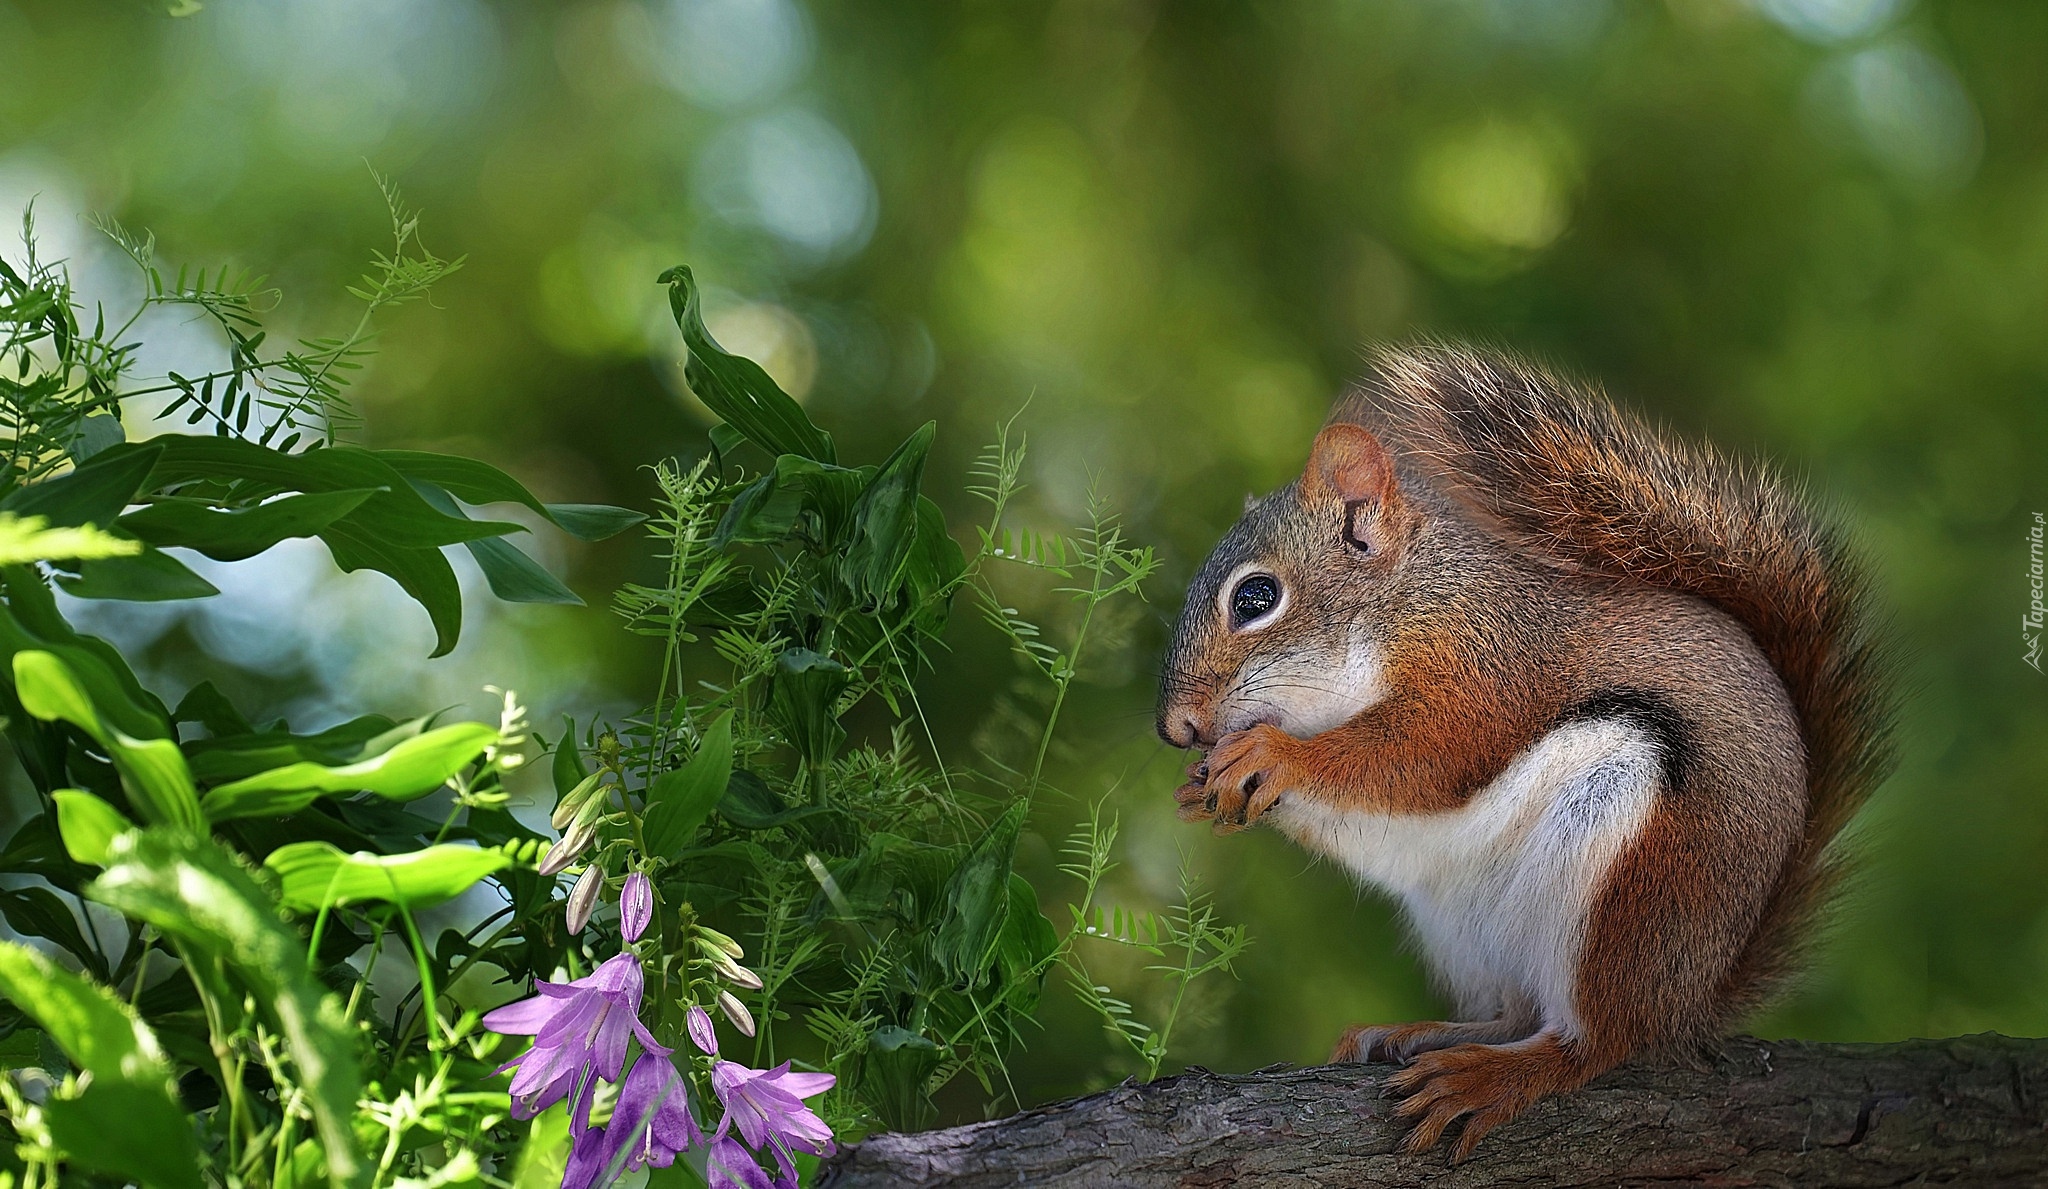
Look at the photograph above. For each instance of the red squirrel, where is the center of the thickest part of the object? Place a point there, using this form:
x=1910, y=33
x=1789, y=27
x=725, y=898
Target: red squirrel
x=1589, y=702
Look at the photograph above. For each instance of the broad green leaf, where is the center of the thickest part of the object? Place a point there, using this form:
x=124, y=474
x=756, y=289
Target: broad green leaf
x=89, y=825
x=413, y=768
x=233, y=534
x=680, y=800
x=736, y=388
x=93, y=493
x=29, y=619
x=393, y=512
x=421, y=572
x=26, y=539
x=593, y=522
x=978, y=901
x=128, y=1122
x=129, y=1130
x=885, y=519
x=804, y=702
x=38, y=912
x=769, y=509
x=196, y=896
x=315, y=875
x=1027, y=940
x=233, y=756
x=476, y=482
x=933, y=569
x=94, y=1028
x=517, y=578
x=514, y=577
x=153, y=771
x=751, y=805
x=150, y=576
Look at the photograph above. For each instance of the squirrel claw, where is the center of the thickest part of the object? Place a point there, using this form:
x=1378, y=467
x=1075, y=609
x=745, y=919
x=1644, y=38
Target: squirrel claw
x=1247, y=772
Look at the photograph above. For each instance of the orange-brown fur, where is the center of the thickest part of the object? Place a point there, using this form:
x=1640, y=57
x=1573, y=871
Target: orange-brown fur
x=1529, y=547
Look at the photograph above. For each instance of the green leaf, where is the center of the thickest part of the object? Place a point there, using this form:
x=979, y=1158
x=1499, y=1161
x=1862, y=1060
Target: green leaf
x=413, y=768
x=772, y=507
x=149, y=576
x=476, y=482
x=88, y=824
x=25, y=539
x=39, y=912
x=316, y=875
x=735, y=388
x=29, y=620
x=421, y=572
x=885, y=519
x=804, y=702
x=233, y=534
x=195, y=895
x=514, y=577
x=129, y=1130
x=592, y=522
x=394, y=511
x=680, y=800
x=93, y=493
x=1027, y=940
x=128, y=1121
x=568, y=769
x=978, y=901
x=517, y=578
x=93, y=1027
x=153, y=771
x=751, y=805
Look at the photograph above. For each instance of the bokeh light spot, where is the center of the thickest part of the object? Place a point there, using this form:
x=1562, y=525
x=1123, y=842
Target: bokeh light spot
x=1914, y=114
x=1829, y=21
x=772, y=336
x=792, y=174
x=729, y=53
x=1498, y=188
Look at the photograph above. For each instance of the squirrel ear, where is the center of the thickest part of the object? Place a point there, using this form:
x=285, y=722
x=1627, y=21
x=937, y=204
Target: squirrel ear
x=1349, y=464
x=1251, y=500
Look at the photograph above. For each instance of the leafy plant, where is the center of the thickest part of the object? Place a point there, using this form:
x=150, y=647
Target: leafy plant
x=787, y=845
x=204, y=1042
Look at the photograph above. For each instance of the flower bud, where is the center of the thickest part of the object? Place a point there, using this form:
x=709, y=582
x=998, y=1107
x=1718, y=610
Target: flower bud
x=572, y=801
x=563, y=853
x=636, y=906
x=711, y=940
x=583, y=897
x=735, y=973
x=737, y=1012
x=702, y=1034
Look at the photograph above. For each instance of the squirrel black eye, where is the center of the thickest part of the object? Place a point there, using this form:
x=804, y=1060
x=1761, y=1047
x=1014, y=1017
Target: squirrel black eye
x=1253, y=598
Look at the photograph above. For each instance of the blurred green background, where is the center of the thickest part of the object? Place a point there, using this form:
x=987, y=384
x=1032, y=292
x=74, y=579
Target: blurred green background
x=1815, y=230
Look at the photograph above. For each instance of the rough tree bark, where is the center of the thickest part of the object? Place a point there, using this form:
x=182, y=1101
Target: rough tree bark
x=1966, y=1111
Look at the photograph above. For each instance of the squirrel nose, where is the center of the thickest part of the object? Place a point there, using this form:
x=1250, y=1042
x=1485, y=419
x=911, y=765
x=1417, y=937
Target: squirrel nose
x=1179, y=729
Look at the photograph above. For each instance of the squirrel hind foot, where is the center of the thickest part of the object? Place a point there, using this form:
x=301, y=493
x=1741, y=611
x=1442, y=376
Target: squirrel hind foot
x=1402, y=1043
x=1485, y=1085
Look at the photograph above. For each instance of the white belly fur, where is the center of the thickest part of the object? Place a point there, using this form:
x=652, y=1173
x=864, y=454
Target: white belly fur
x=1498, y=891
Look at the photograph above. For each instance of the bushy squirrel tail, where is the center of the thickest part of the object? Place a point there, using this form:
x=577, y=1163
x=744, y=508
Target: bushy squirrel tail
x=1597, y=488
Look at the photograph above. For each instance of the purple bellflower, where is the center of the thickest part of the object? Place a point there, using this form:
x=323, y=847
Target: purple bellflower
x=767, y=1107
x=731, y=1166
x=650, y=1124
x=579, y=1029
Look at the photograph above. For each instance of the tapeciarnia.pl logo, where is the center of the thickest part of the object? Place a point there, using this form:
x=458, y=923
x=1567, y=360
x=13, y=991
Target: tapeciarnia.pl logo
x=2030, y=623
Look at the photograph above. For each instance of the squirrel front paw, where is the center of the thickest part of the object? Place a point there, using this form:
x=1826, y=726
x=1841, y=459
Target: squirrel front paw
x=1244, y=774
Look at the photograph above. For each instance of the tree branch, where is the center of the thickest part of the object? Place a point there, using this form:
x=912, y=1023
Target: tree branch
x=1968, y=1111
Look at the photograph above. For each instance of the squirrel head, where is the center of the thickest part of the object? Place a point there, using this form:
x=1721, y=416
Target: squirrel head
x=1279, y=624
